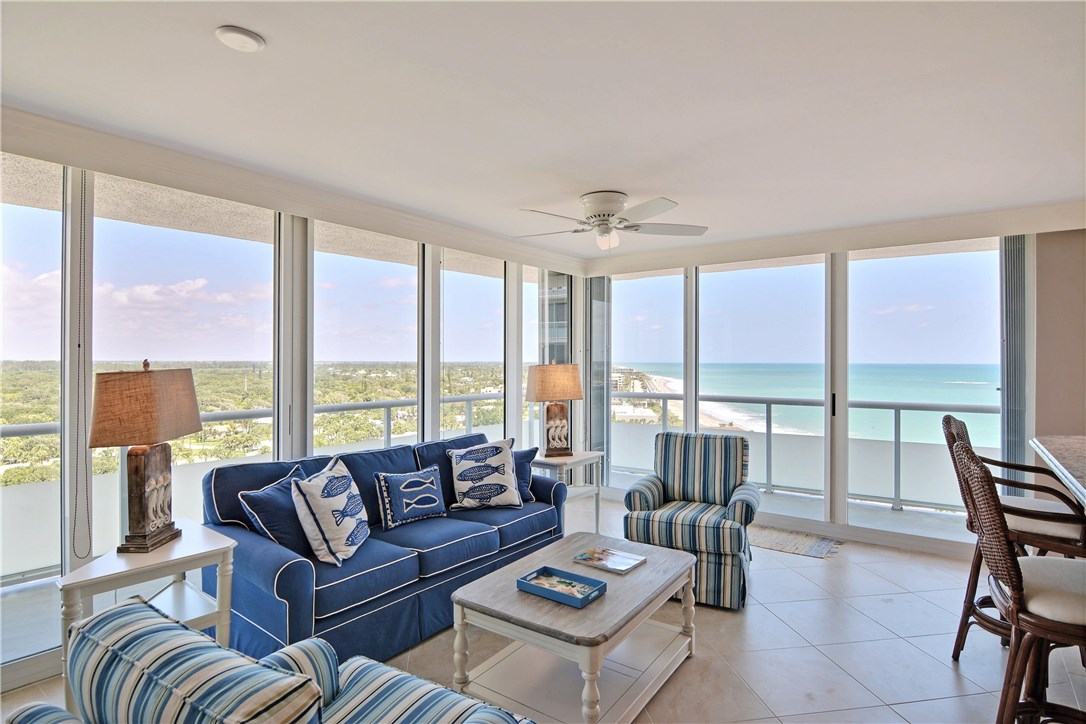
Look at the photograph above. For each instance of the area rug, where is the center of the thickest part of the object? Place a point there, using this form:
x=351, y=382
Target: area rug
x=790, y=541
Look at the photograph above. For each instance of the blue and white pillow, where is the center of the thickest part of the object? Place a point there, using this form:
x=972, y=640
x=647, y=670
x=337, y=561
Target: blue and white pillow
x=405, y=497
x=484, y=476
x=271, y=511
x=331, y=512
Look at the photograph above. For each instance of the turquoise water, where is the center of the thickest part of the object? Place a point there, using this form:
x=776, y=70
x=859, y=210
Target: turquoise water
x=974, y=384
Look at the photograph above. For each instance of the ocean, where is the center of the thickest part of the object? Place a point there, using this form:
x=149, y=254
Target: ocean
x=974, y=384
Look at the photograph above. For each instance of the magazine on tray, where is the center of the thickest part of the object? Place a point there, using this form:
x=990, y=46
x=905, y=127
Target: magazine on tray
x=609, y=559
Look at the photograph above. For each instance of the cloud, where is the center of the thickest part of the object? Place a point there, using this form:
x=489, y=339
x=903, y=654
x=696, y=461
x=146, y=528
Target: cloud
x=654, y=327
x=394, y=282
x=639, y=317
x=907, y=309
x=327, y=285
x=410, y=299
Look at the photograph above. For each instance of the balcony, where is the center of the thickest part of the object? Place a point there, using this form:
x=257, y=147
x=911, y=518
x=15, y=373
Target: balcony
x=896, y=484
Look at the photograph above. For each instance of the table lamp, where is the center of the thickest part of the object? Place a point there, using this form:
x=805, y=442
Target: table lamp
x=554, y=384
x=143, y=410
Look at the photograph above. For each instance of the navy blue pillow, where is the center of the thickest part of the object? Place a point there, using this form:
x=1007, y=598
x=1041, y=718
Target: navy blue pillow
x=405, y=497
x=522, y=463
x=271, y=510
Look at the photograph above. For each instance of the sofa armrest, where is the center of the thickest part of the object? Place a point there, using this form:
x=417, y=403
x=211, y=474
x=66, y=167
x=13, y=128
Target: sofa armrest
x=314, y=658
x=549, y=490
x=744, y=503
x=273, y=586
x=42, y=714
x=646, y=494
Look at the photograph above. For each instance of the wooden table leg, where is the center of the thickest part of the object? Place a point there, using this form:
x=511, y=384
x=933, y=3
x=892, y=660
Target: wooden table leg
x=71, y=610
x=688, y=609
x=223, y=589
x=460, y=648
x=590, y=695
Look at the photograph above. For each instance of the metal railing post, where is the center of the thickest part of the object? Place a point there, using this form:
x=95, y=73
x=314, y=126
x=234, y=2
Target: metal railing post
x=663, y=409
x=467, y=417
x=896, y=505
x=769, y=447
x=388, y=426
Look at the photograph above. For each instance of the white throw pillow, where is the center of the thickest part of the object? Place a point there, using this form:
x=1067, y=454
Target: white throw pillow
x=484, y=476
x=331, y=512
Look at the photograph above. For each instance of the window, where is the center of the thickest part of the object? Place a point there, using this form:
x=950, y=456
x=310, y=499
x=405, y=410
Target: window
x=924, y=338
x=646, y=369
x=30, y=489
x=365, y=339
x=472, y=344
x=762, y=335
x=184, y=280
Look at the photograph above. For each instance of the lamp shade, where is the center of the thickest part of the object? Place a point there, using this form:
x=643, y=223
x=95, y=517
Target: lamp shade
x=143, y=408
x=554, y=382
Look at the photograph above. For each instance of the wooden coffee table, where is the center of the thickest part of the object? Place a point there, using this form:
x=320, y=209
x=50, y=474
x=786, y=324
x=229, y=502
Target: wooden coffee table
x=620, y=657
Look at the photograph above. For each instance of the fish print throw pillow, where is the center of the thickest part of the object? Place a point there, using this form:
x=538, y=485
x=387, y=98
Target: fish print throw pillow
x=405, y=497
x=331, y=512
x=484, y=476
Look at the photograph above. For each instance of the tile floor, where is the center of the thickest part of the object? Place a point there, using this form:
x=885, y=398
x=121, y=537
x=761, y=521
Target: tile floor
x=864, y=636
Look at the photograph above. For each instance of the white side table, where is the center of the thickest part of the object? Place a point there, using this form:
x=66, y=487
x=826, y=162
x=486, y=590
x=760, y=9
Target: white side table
x=588, y=459
x=197, y=547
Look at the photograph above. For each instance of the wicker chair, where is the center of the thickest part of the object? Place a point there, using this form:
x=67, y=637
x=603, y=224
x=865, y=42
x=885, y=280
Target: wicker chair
x=1042, y=599
x=1037, y=522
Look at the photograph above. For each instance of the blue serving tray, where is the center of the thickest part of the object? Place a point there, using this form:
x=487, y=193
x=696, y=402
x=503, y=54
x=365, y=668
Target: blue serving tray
x=524, y=583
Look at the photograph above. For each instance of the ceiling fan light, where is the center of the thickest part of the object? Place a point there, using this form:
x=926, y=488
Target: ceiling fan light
x=607, y=239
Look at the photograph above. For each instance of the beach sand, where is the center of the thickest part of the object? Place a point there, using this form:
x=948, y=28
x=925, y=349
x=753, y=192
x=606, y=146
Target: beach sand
x=712, y=415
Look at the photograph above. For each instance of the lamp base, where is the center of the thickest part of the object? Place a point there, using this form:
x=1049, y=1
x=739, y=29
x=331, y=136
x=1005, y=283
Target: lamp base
x=557, y=426
x=150, y=499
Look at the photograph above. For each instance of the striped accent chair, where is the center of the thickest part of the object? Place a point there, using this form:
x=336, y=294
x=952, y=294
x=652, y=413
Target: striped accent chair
x=699, y=501
x=132, y=663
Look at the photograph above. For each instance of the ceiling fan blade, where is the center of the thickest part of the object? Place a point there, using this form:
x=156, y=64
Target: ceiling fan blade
x=552, y=233
x=647, y=210
x=666, y=229
x=582, y=222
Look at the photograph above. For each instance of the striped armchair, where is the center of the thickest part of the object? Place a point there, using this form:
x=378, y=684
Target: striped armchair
x=699, y=501
x=132, y=663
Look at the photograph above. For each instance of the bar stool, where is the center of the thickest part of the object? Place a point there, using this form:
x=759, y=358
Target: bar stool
x=1037, y=522
x=1042, y=599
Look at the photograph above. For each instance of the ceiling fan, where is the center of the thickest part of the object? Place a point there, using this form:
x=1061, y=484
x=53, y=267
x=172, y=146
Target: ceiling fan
x=606, y=214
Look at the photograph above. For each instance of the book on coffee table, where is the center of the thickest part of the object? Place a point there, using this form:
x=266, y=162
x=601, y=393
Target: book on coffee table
x=610, y=559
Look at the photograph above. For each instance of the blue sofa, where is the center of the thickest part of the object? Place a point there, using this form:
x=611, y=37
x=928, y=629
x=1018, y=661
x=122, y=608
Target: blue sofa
x=394, y=591
x=132, y=663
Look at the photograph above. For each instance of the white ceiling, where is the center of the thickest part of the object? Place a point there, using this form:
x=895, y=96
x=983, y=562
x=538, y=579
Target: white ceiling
x=759, y=119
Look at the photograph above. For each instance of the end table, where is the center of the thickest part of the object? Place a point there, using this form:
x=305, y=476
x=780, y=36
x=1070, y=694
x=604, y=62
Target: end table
x=588, y=459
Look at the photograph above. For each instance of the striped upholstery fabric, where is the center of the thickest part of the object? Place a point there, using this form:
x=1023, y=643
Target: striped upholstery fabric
x=314, y=658
x=373, y=692
x=721, y=580
x=744, y=503
x=701, y=467
x=646, y=494
x=132, y=663
x=41, y=714
x=693, y=527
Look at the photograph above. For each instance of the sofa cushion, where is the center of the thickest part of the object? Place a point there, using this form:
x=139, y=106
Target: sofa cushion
x=693, y=527
x=374, y=570
x=331, y=512
x=434, y=453
x=131, y=662
x=271, y=512
x=442, y=543
x=514, y=525
x=365, y=464
x=221, y=485
x=522, y=463
x=484, y=476
x=406, y=497
x=375, y=692
x=314, y=658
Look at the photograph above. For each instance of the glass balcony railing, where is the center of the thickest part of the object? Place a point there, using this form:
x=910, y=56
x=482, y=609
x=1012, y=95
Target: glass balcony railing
x=892, y=464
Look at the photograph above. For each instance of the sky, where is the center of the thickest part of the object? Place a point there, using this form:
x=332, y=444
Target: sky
x=177, y=295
